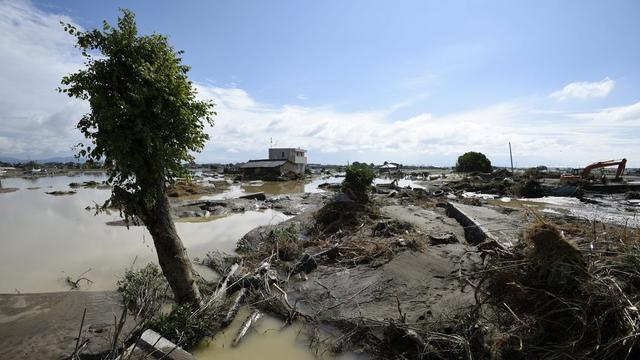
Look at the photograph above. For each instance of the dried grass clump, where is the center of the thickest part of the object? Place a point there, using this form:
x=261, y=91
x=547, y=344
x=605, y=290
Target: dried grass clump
x=282, y=242
x=530, y=188
x=548, y=247
x=392, y=228
x=343, y=215
x=549, y=300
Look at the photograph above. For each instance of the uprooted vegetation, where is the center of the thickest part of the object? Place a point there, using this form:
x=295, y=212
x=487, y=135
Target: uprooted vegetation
x=392, y=228
x=344, y=215
x=280, y=243
x=144, y=291
x=550, y=298
x=529, y=188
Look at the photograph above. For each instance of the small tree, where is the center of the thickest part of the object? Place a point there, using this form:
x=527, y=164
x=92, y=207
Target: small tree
x=357, y=182
x=473, y=161
x=144, y=123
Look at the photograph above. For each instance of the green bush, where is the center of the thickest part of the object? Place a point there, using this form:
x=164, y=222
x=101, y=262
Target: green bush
x=357, y=182
x=285, y=240
x=143, y=288
x=473, y=161
x=184, y=327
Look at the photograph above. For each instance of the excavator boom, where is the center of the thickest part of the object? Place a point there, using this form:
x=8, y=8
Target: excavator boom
x=622, y=163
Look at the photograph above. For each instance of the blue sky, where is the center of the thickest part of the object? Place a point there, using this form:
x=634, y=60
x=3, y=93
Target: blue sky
x=409, y=81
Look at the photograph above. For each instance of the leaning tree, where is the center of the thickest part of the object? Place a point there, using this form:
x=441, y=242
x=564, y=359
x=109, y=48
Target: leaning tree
x=144, y=123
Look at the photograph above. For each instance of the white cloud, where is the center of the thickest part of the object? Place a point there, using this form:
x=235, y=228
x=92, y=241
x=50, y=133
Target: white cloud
x=34, y=118
x=37, y=122
x=616, y=116
x=584, y=90
x=537, y=135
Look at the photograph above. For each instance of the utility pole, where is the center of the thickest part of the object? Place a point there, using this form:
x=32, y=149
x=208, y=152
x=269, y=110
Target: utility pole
x=511, y=157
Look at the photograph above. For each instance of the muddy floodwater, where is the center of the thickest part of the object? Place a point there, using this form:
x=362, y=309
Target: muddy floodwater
x=269, y=339
x=46, y=238
x=49, y=239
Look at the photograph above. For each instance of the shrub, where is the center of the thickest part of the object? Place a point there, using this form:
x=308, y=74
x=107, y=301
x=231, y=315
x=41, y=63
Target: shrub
x=357, y=182
x=285, y=240
x=185, y=327
x=473, y=161
x=143, y=288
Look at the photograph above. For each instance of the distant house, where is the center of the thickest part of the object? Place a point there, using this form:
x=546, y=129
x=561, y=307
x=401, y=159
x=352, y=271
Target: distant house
x=388, y=167
x=282, y=162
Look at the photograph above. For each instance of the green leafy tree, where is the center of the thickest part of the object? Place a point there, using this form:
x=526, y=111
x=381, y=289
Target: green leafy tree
x=357, y=182
x=473, y=161
x=144, y=123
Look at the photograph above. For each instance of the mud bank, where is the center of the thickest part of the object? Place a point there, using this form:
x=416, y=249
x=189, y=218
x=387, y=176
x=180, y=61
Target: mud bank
x=390, y=263
x=401, y=276
x=46, y=326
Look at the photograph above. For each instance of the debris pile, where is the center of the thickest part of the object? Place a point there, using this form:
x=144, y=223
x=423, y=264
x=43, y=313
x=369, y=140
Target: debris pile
x=548, y=298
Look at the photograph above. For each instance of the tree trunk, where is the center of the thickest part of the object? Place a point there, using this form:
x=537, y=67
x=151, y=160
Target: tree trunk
x=172, y=255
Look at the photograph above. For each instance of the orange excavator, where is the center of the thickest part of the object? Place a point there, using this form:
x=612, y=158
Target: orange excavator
x=577, y=176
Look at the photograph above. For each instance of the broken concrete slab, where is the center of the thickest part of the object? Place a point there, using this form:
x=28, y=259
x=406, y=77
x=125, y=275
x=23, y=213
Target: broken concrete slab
x=431, y=222
x=483, y=224
x=152, y=345
x=45, y=326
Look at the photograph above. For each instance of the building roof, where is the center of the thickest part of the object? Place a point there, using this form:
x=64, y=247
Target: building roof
x=263, y=164
x=295, y=149
x=388, y=166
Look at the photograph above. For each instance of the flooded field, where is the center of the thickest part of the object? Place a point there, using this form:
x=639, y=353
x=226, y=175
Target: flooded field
x=47, y=238
x=271, y=187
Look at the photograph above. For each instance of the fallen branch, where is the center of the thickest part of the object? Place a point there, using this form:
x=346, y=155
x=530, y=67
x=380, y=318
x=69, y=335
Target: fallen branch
x=235, y=306
x=246, y=325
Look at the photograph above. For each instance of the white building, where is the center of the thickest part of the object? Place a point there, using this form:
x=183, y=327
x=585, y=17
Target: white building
x=294, y=155
x=282, y=162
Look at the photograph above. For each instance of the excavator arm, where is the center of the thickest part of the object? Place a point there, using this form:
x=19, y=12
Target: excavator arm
x=622, y=163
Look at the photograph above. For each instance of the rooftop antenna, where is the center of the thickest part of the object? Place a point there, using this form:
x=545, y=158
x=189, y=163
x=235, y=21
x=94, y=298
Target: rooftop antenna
x=271, y=143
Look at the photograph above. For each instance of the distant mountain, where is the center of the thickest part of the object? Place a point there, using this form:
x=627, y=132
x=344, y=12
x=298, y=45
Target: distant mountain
x=9, y=160
x=59, y=159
